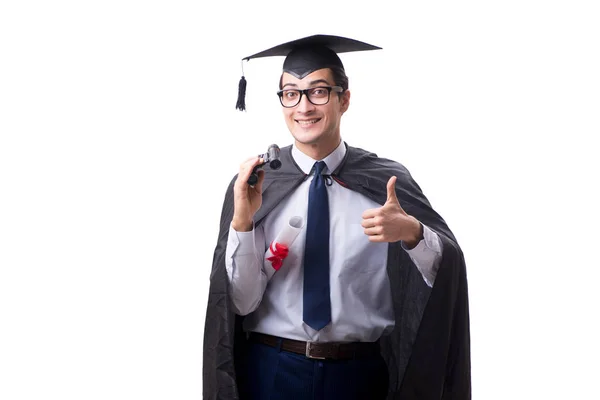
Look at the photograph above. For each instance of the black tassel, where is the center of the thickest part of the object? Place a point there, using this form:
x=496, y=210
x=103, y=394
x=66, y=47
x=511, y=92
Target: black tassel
x=241, y=101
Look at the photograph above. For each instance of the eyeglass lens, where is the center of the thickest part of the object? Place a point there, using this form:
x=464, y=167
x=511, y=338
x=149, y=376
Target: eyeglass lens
x=317, y=96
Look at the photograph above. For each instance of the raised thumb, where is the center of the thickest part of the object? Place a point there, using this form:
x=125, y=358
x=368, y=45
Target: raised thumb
x=391, y=191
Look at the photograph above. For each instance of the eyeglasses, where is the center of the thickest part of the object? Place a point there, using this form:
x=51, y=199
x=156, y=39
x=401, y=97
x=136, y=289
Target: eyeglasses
x=317, y=95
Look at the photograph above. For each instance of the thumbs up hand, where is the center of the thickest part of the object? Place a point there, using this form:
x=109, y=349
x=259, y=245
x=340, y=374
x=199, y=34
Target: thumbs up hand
x=390, y=223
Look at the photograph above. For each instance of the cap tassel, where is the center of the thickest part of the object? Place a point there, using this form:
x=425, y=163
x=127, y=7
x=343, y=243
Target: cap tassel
x=241, y=100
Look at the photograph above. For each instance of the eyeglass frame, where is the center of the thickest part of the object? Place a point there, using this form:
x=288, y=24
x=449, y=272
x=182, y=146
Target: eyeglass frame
x=337, y=89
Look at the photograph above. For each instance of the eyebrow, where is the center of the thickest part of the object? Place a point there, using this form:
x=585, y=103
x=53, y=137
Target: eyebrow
x=311, y=83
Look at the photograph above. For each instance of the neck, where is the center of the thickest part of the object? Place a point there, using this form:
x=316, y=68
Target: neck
x=318, y=151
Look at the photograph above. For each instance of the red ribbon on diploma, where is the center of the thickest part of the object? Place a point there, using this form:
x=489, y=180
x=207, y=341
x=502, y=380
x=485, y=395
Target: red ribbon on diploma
x=279, y=253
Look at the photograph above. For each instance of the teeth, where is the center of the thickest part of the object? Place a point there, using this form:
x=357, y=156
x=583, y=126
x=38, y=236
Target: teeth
x=312, y=121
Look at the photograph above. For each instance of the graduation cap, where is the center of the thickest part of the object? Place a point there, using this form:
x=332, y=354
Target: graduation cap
x=306, y=55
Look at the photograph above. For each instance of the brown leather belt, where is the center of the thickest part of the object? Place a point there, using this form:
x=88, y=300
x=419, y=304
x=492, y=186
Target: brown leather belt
x=318, y=350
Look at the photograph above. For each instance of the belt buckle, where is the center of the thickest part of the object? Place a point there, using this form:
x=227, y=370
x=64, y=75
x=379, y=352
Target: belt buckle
x=308, y=352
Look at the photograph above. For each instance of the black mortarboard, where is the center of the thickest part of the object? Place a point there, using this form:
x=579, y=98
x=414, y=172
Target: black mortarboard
x=306, y=55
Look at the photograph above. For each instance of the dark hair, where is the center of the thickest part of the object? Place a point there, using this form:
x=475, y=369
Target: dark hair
x=339, y=79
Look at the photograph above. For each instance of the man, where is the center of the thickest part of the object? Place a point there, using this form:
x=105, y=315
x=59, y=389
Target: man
x=369, y=301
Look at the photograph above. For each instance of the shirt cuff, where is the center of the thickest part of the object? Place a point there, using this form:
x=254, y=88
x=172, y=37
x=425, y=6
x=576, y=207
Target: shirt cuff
x=427, y=255
x=242, y=243
x=430, y=242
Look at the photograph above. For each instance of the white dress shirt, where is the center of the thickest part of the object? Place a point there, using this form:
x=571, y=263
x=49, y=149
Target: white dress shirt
x=361, y=299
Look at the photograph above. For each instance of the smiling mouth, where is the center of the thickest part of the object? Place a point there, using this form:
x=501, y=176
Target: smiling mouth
x=308, y=122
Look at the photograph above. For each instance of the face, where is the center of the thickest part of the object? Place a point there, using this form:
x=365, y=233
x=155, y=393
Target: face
x=315, y=128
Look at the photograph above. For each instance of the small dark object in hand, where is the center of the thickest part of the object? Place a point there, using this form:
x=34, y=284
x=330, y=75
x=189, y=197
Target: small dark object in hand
x=271, y=157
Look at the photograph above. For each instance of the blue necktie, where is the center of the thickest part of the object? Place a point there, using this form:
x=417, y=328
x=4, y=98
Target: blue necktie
x=316, y=305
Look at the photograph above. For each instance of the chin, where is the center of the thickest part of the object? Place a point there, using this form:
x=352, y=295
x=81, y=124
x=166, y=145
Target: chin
x=307, y=137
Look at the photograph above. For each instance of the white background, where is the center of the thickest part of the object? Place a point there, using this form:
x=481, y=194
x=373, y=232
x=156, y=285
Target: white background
x=118, y=137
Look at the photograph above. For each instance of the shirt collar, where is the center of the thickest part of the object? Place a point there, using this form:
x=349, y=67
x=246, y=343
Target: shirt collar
x=333, y=160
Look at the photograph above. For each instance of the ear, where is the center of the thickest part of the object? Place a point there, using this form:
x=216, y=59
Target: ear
x=345, y=101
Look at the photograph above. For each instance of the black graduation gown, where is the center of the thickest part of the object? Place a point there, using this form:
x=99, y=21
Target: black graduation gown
x=427, y=353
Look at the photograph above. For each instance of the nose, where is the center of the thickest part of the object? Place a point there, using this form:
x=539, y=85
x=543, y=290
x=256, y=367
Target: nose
x=305, y=106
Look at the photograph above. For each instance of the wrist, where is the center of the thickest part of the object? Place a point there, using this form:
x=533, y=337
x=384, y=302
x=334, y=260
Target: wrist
x=241, y=224
x=417, y=235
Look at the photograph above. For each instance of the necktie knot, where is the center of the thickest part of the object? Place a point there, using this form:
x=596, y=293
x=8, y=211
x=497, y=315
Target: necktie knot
x=319, y=167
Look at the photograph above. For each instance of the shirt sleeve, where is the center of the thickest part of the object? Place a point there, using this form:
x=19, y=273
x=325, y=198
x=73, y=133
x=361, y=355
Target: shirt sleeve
x=427, y=255
x=243, y=262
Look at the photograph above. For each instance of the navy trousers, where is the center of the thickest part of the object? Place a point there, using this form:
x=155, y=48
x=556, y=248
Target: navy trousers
x=273, y=374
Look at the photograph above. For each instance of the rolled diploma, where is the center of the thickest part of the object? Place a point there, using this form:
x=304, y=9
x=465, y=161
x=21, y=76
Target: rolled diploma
x=286, y=237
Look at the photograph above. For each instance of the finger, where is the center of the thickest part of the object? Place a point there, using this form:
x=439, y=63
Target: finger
x=391, y=191
x=376, y=238
x=261, y=178
x=371, y=212
x=371, y=222
x=249, y=163
x=252, y=162
x=374, y=231
x=247, y=167
x=368, y=223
